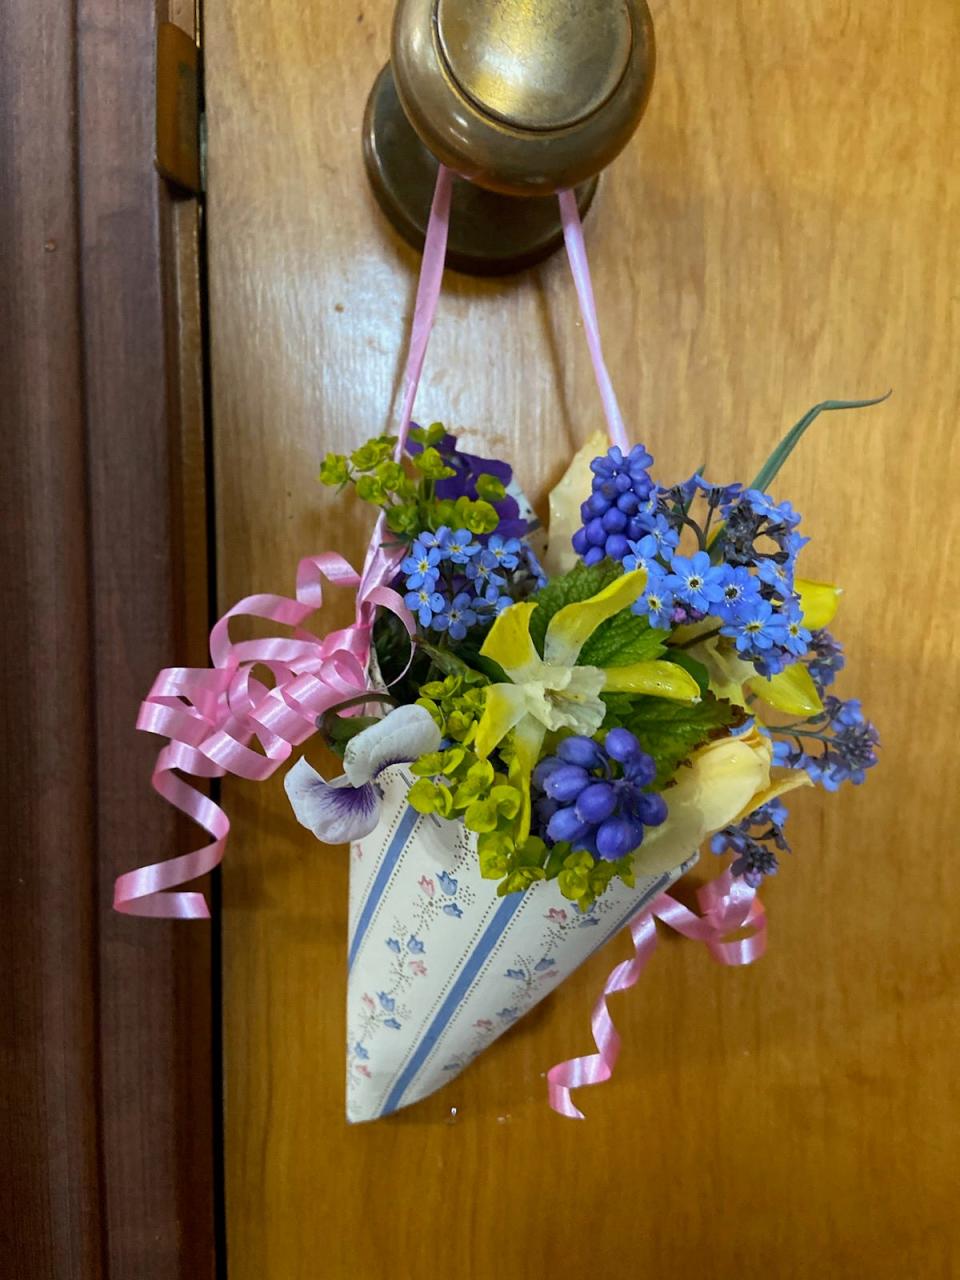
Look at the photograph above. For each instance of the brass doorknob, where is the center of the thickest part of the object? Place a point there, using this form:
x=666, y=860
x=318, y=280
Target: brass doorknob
x=521, y=97
x=524, y=97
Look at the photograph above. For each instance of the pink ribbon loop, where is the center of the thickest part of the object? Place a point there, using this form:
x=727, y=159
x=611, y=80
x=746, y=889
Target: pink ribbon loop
x=224, y=720
x=213, y=717
x=728, y=906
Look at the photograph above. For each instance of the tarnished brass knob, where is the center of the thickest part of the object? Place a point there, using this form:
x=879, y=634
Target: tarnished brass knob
x=520, y=97
x=524, y=96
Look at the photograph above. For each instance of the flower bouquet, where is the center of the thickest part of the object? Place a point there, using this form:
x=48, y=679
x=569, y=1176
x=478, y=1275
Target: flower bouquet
x=549, y=750
x=537, y=736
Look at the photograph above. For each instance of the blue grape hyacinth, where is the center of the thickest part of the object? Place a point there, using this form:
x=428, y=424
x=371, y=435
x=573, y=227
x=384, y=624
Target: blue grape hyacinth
x=622, y=488
x=594, y=797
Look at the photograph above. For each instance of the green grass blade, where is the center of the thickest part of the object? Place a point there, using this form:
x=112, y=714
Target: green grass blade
x=768, y=472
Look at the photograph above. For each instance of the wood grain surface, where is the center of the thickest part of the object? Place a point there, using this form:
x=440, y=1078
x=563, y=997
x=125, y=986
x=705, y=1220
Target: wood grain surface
x=106, y=1147
x=783, y=229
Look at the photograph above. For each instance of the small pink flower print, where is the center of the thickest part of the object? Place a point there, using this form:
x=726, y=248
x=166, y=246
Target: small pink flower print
x=363, y=1070
x=557, y=915
x=418, y=967
x=427, y=885
x=483, y=1024
x=368, y=1001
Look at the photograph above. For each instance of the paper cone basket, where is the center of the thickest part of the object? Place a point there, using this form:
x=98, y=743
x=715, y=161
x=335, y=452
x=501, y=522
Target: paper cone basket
x=439, y=966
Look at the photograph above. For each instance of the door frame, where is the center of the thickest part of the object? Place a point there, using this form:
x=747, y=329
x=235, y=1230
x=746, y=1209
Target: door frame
x=112, y=1077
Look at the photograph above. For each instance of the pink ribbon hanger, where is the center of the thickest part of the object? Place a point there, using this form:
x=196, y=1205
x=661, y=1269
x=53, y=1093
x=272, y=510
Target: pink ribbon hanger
x=212, y=716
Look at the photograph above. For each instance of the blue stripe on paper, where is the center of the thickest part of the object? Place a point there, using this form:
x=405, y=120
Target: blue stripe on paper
x=455, y=996
x=397, y=844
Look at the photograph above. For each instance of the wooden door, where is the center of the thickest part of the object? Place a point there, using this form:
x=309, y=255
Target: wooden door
x=783, y=229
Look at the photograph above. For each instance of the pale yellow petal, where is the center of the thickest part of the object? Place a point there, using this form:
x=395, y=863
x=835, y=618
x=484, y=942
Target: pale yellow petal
x=572, y=626
x=504, y=705
x=721, y=782
x=781, y=781
x=818, y=602
x=791, y=690
x=691, y=631
x=571, y=490
x=527, y=740
x=728, y=673
x=658, y=679
x=509, y=644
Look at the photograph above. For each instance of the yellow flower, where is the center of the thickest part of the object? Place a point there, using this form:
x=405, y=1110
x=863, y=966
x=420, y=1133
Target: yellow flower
x=791, y=690
x=724, y=781
x=552, y=692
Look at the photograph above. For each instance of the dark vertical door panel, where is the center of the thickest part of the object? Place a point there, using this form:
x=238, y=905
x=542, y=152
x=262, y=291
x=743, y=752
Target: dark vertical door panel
x=107, y=1154
x=52, y=1202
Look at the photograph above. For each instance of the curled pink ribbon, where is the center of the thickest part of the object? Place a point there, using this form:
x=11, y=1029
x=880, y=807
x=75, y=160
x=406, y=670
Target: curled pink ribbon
x=728, y=905
x=212, y=715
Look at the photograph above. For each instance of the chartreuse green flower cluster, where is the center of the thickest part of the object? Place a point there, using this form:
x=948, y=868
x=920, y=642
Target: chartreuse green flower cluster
x=409, y=499
x=487, y=794
x=456, y=703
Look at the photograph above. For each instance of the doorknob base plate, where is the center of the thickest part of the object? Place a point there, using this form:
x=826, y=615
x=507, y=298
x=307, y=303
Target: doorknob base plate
x=490, y=234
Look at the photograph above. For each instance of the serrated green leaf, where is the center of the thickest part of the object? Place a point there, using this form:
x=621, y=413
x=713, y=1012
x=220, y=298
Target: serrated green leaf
x=579, y=584
x=670, y=731
x=621, y=640
x=768, y=472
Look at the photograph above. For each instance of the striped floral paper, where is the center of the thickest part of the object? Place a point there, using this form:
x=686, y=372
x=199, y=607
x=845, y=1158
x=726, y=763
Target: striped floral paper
x=439, y=966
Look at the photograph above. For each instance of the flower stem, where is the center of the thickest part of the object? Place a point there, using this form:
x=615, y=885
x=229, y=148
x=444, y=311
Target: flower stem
x=361, y=699
x=705, y=635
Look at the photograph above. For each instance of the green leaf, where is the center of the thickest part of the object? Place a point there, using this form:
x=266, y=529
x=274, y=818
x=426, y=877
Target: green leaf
x=484, y=665
x=341, y=728
x=768, y=472
x=621, y=640
x=579, y=584
x=556, y=859
x=670, y=731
